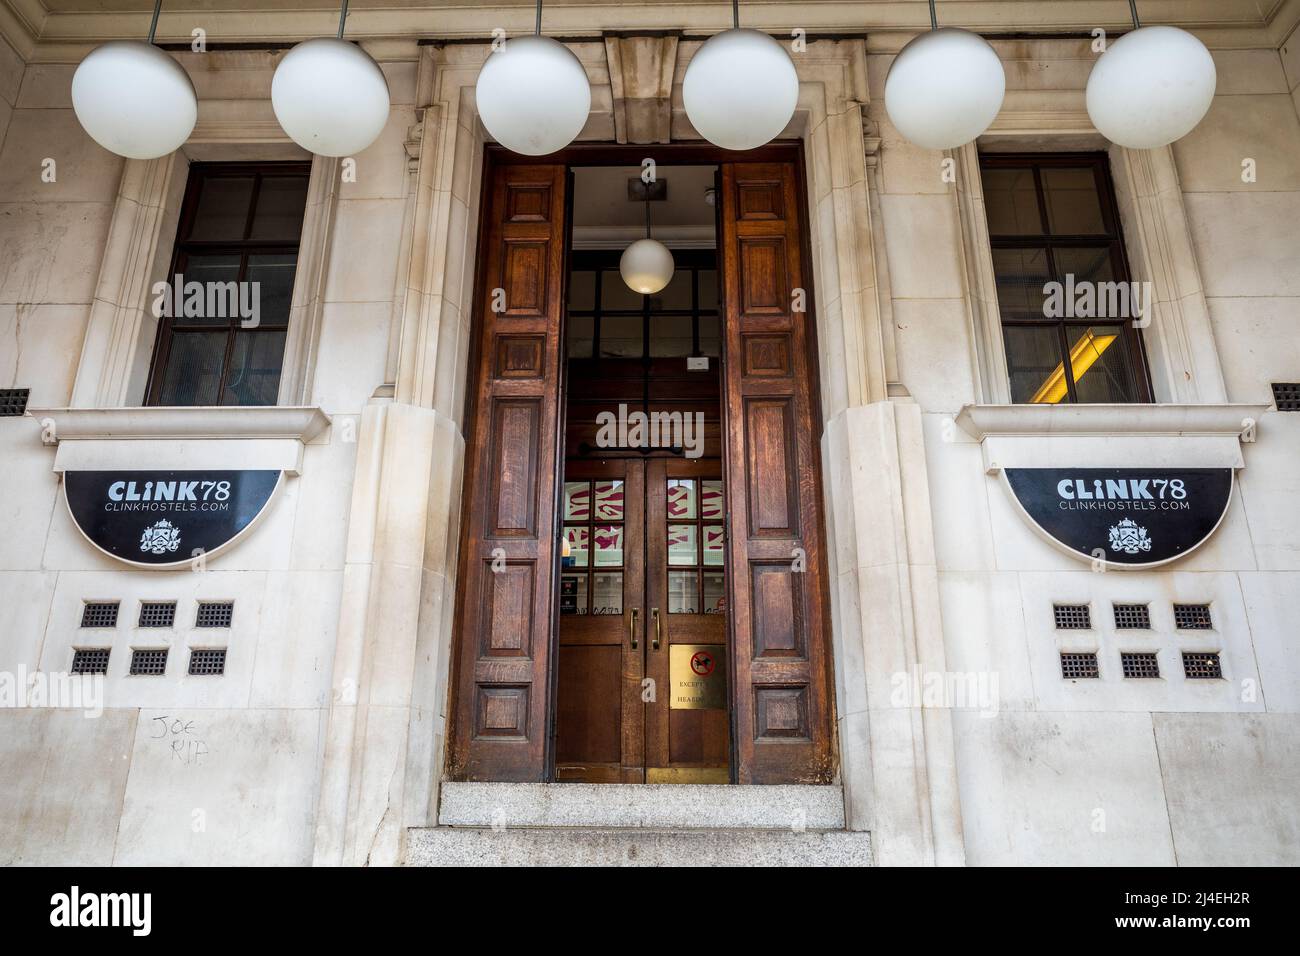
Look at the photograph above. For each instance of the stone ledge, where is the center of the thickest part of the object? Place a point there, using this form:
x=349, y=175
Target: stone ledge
x=680, y=807
x=981, y=421
x=301, y=423
x=457, y=846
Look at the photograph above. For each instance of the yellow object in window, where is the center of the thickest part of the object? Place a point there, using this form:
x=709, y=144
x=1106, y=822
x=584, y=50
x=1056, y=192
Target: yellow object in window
x=1082, y=357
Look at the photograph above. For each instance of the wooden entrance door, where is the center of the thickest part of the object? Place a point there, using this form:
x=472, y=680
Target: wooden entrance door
x=642, y=688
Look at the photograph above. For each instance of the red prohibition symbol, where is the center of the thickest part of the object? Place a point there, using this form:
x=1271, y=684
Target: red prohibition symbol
x=702, y=663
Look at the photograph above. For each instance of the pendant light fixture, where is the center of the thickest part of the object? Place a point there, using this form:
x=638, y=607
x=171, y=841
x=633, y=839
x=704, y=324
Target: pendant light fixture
x=740, y=88
x=133, y=99
x=532, y=94
x=647, y=265
x=945, y=87
x=1151, y=87
x=330, y=96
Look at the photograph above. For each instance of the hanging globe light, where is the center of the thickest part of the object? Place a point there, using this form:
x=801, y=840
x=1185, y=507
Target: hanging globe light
x=647, y=265
x=329, y=96
x=133, y=99
x=1151, y=87
x=532, y=94
x=740, y=88
x=945, y=87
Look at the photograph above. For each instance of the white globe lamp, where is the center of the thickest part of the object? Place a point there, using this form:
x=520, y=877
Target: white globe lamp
x=1151, y=87
x=945, y=88
x=533, y=95
x=133, y=99
x=646, y=266
x=740, y=89
x=330, y=97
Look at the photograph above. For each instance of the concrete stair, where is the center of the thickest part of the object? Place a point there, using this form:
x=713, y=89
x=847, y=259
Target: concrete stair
x=536, y=824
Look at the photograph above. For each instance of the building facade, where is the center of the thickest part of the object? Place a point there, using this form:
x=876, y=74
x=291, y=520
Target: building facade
x=982, y=551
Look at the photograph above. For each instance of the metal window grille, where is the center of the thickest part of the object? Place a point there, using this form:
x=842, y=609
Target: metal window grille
x=1132, y=617
x=207, y=661
x=1192, y=617
x=1139, y=665
x=1201, y=666
x=215, y=614
x=1286, y=395
x=1072, y=617
x=149, y=663
x=158, y=614
x=99, y=614
x=13, y=401
x=1077, y=666
x=90, y=660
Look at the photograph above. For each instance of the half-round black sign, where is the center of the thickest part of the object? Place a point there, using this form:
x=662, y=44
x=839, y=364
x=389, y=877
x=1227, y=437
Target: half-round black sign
x=1126, y=517
x=166, y=518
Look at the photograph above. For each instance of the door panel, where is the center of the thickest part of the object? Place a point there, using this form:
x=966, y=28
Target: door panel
x=507, y=557
x=777, y=581
x=600, y=717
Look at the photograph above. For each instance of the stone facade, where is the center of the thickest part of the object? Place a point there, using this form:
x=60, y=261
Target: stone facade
x=323, y=742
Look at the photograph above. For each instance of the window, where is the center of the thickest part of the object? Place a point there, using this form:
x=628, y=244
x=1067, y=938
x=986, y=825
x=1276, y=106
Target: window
x=222, y=331
x=1063, y=286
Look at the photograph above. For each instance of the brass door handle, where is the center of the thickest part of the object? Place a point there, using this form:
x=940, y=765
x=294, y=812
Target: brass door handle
x=654, y=612
x=631, y=628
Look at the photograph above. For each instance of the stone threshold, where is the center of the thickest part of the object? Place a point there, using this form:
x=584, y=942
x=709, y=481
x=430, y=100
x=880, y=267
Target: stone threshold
x=675, y=807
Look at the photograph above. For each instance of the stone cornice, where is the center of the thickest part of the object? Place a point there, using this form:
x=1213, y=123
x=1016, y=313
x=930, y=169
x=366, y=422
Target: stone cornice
x=982, y=421
x=300, y=423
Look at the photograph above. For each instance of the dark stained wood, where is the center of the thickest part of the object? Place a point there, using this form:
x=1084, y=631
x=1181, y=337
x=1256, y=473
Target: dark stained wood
x=780, y=626
x=503, y=643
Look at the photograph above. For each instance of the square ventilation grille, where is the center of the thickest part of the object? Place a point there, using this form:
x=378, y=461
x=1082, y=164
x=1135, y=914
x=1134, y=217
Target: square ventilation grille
x=1072, y=617
x=149, y=663
x=1201, y=666
x=215, y=614
x=1132, y=617
x=1139, y=665
x=90, y=660
x=1077, y=666
x=1286, y=395
x=158, y=614
x=99, y=614
x=1192, y=617
x=207, y=662
x=13, y=401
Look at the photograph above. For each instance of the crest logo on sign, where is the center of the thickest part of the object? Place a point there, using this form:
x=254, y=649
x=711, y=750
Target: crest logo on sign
x=161, y=537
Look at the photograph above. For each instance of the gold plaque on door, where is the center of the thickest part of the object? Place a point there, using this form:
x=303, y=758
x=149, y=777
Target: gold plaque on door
x=698, y=674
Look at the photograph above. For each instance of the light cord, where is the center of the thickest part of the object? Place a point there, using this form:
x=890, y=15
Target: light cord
x=538, y=30
x=1133, y=7
x=934, y=17
x=153, y=24
x=343, y=16
x=735, y=14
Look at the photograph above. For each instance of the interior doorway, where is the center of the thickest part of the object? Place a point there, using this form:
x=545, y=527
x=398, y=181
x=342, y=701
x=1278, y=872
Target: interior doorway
x=641, y=694
x=631, y=607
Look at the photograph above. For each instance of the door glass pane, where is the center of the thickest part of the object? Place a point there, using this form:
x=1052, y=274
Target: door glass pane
x=1034, y=364
x=273, y=274
x=223, y=208
x=609, y=545
x=620, y=336
x=683, y=592
x=714, y=552
x=676, y=294
x=280, y=204
x=1012, y=202
x=708, y=289
x=193, y=374
x=682, y=548
x=577, y=501
x=614, y=293
x=1073, y=202
x=582, y=290
x=213, y=305
x=573, y=594
x=671, y=335
x=579, y=547
x=607, y=593
x=581, y=330
x=711, y=500
x=1099, y=359
x=681, y=498
x=1021, y=275
x=715, y=593
x=710, y=336
x=609, y=501
x=254, y=376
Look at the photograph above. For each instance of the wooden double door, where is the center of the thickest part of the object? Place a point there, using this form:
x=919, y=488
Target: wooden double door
x=509, y=630
x=642, y=694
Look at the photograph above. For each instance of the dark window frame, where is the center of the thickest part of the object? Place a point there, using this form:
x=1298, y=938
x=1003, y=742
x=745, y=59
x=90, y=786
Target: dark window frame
x=183, y=247
x=1112, y=240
